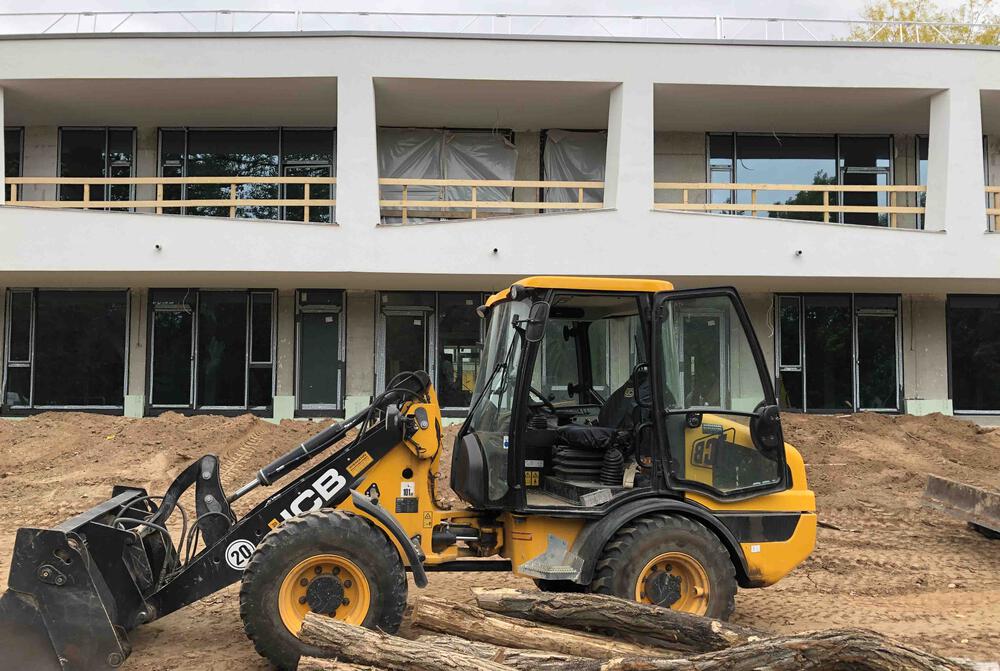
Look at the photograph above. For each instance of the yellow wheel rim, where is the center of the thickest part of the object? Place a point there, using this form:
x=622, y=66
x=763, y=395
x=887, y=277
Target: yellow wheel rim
x=675, y=580
x=332, y=584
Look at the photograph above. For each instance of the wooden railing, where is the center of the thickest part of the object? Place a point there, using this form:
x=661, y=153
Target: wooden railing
x=159, y=202
x=826, y=208
x=993, y=206
x=431, y=197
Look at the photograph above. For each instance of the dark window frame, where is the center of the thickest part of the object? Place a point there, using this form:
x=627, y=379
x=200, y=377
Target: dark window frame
x=195, y=406
x=32, y=407
x=107, y=164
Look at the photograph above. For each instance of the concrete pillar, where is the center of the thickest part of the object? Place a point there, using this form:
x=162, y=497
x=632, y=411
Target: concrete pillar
x=138, y=352
x=905, y=171
x=40, y=160
x=357, y=159
x=146, y=146
x=360, y=315
x=284, y=367
x=955, y=198
x=629, y=167
x=529, y=163
x=925, y=355
x=679, y=157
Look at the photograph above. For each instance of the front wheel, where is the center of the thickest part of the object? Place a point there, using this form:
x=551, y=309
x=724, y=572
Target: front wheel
x=669, y=561
x=328, y=562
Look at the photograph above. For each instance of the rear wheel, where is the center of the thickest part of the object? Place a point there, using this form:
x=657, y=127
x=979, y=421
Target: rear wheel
x=328, y=562
x=669, y=561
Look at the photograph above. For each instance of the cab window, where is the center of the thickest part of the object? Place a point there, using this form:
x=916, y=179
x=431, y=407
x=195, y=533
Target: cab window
x=712, y=389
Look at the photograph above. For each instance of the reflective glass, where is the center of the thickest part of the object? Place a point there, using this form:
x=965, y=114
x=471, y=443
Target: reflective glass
x=786, y=159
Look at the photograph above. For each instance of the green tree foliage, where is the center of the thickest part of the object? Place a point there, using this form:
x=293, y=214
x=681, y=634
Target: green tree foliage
x=814, y=198
x=923, y=21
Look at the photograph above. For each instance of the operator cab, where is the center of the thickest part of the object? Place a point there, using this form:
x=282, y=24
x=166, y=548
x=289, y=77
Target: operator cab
x=588, y=395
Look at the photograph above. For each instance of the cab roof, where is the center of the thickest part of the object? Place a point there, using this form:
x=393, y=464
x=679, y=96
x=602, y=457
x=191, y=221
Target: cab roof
x=617, y=284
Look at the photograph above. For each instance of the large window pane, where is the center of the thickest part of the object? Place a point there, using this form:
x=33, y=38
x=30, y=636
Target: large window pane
x=81, y=154
x=222, y=353
x=974, y=337
x=789, y=327
x=829, y=353
x=459, y=349
x=865, y=161
x=20, y=326
x=79, y=348
x=243, y=153
x=260, y=326
x=720, y=150
x=12, y=155
x=405, y=344
x=877, y=385
x=171, y=369
x=786, y=159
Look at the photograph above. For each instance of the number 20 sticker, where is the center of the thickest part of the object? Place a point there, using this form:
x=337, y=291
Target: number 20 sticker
x=238, y=554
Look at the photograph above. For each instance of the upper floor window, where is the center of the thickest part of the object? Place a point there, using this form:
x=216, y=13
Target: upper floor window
x=249, y=152
x=802, y=160
x=574, y=156
x=13, y=144
x=96, y=152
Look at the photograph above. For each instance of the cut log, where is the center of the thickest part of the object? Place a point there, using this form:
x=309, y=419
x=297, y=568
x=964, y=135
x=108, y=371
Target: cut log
x=526, y=660
x=641, y=623
x=477, y=624
x=323, y=664
x=364, y=646
x=834, y=649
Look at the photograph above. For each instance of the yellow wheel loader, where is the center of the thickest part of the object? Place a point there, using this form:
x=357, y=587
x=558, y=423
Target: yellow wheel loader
x=623, y=439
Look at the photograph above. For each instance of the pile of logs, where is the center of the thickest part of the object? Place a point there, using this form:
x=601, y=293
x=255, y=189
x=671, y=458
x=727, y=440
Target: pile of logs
x=541, y=631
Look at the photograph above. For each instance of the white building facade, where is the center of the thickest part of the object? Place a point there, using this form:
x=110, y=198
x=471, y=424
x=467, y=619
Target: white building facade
x=226, y=223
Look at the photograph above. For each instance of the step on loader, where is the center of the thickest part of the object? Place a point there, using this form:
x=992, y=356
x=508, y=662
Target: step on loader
x=623, y=438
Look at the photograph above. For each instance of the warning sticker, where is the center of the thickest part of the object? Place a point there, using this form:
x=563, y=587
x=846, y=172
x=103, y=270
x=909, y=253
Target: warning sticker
x=407, y=489
x=359, y=464
x=428, y=520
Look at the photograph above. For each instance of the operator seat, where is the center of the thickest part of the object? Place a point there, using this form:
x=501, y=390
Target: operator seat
x=616, y=419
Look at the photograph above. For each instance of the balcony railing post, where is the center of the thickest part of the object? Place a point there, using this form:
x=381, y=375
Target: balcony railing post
x=996, y=205
x=13, y=193
x=305, y=208
x=86, y=195
x=826, y=207
x=232, y=198
x=159, y=197
x=892, y=210
x=580, y=197
x=405, y=192
x=474, y=198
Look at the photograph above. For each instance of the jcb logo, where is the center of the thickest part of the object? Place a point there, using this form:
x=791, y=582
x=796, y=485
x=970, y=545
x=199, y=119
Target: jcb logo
x=322, y=490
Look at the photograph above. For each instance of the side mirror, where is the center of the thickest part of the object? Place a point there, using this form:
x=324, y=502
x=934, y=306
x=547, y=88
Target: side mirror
x=638, y=376
x=765, y=429
x=535, y=330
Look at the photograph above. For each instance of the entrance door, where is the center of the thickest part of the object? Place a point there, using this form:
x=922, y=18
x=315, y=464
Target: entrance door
x=172, y=356
x=877, y=378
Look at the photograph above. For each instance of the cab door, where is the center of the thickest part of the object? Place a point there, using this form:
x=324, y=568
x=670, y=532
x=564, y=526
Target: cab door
x=713, y=397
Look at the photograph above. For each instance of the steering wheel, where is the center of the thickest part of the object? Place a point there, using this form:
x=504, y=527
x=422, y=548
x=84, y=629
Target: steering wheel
x=543, y=402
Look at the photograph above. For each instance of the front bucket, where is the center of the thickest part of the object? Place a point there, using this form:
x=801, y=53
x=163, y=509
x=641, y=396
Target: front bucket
x=71, y=597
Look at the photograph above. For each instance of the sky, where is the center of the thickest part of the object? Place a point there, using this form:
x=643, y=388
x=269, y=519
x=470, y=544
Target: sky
x=843, y=9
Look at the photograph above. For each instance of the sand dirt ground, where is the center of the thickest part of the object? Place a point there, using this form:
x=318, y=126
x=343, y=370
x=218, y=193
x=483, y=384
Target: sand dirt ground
x=890, y=564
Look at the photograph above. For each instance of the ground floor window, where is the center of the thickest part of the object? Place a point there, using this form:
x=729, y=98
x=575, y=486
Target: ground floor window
x=438, y=332
x=974, y=353
x=211, y=349
x=838, y=352
x=320, y=346
x=65, y=349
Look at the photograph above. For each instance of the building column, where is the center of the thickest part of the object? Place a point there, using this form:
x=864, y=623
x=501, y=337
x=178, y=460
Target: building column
x=135, y=393
x=956, y=201
x=360, y=315
x=628, y=175
x=284, y=353
x=357, y=155
x=925, y=355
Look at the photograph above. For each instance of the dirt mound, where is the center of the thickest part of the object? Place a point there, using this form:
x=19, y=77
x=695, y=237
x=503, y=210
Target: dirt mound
x=885, y=459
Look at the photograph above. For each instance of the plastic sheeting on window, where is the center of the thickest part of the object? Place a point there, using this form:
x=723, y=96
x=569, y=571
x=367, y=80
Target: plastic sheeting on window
x=424, y=153
x=575, y=156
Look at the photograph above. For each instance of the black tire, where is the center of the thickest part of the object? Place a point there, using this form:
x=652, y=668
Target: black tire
x=563, y=586
x=316, y=533
x=641, y=540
